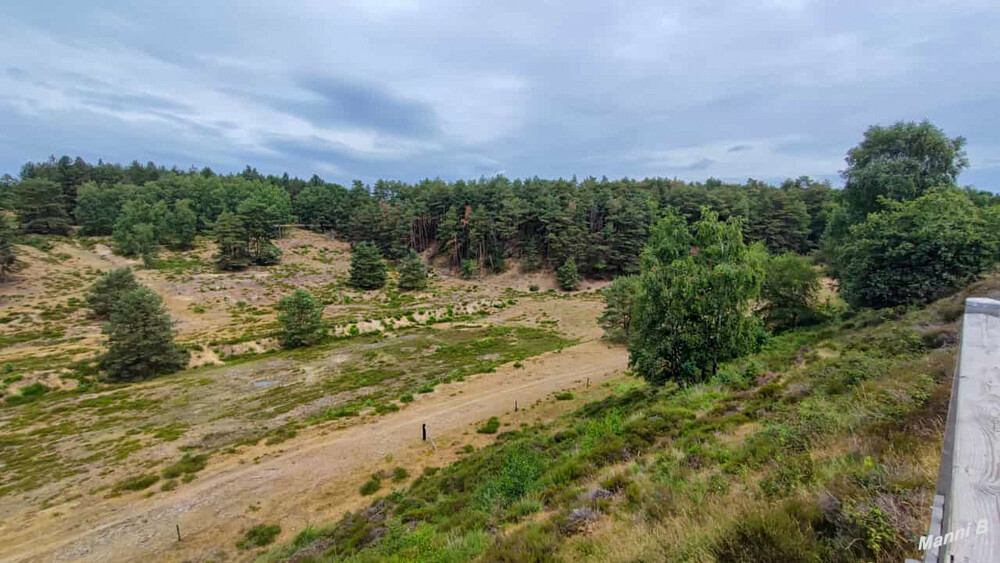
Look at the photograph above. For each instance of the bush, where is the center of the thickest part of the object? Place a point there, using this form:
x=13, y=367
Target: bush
x=259, y=536
x=371, y=486
x=400, y=474
x=564, y=396
x=771, y=537
x=491, y=426
x=187, y=465
x=468, y=269
x=135, y=483
x=28, y=393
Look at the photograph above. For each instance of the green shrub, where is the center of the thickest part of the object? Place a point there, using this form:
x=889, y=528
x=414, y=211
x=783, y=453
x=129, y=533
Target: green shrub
x=771, y=537
x=468, y=269
x=371, y=486
x=28, y=394
x=564, y=396
x=187, y=464
x=407, y=398
x=135, y=483
x=491, y=426
x=259, y=536
x=400, y=474
x=537, y=543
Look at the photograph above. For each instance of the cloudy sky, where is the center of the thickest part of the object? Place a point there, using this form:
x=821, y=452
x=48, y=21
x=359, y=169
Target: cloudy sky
x=407, y=89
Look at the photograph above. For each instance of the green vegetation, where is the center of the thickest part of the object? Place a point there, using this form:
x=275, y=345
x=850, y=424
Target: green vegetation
x=109, y=289
x=619, y=300
x=140, y=339
x=301, y=319
x=41, y=207
x=368, y=270
x=790, y=290
x=412, y=272
x=233, y=252
x=8, y=256
x=915, y=251
x=899, y=163
x=490, y=427
x=759, y=466
x=135, y=483
x=568, y=275
x=371, y=486
x=692, y=309
x=188, y=465
x=259, y=536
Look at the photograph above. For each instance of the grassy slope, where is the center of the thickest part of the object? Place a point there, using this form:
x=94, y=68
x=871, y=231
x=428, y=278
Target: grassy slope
x=830, y=455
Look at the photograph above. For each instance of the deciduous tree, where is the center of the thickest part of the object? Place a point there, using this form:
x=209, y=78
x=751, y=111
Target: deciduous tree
x=789, y=291
x=693, y=308
x=916, y=251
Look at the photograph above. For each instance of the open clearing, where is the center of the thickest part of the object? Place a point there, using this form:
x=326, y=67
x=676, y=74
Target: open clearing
x=251, y=434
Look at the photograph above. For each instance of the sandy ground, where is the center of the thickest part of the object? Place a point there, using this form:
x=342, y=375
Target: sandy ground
x=316, y=478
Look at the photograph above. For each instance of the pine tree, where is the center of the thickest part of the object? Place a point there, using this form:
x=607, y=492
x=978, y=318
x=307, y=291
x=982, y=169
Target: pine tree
x=367, y=266
x=40, y=208
x=233, y=253
x=412, y=272
x=301, y=318
x=108, y=290
x=140, y=339
x=7, y=254
x=568, y=275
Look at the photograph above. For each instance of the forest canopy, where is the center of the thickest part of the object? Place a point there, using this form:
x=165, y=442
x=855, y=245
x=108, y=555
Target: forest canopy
x=601, y=224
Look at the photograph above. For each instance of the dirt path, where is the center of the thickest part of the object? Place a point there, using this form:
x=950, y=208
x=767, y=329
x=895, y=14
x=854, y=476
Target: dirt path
x=314, y=480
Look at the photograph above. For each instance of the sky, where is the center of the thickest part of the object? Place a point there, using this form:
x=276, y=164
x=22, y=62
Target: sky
x=407, y=89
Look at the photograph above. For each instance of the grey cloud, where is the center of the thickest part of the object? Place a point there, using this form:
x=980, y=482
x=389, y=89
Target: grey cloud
x=541, y=90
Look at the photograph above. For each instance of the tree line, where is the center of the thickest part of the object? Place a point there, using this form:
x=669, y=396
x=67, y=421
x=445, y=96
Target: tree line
x=599, y=225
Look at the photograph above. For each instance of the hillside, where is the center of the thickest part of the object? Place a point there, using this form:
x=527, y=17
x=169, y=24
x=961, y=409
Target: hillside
x=822, y=447
x=250, y=432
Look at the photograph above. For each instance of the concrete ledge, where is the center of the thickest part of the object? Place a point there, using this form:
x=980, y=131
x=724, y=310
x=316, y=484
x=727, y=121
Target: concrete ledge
x=982, y=305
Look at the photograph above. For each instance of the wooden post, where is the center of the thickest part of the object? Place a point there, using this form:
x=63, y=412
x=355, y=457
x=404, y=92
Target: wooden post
x=424, y=428
x=588, y=383
x=515, y=405
x=178, y=532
